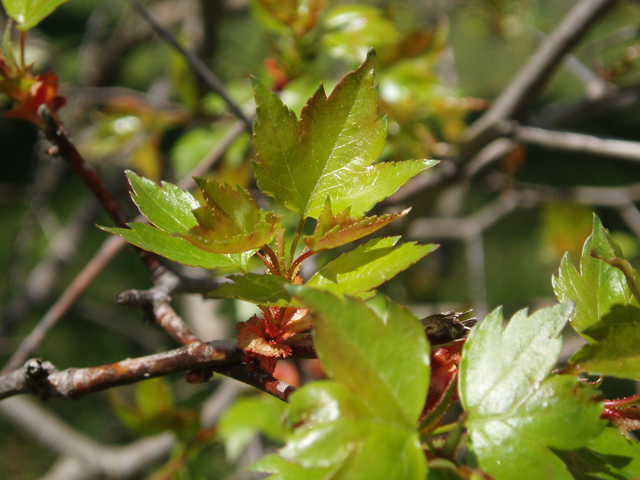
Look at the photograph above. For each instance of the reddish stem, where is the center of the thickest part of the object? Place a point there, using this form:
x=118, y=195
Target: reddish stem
x=298, y=261
x=623, y=402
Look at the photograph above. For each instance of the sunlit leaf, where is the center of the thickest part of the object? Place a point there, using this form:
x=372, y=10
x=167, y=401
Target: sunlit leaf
x=178, y=249
x=28, y=13
x=330, y=151
x=516, y=413
x=616, y=351
x=356, y=348
x=230, y=222
x=335, y=230
x=283, y=470
x=368, y=266
x=168, y=207
x=597, y=286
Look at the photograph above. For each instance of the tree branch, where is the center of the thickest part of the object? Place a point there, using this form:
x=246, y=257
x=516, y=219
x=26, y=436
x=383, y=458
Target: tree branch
x=574, y=142
x=534, y=75
x=44, y=380
x=198, y=66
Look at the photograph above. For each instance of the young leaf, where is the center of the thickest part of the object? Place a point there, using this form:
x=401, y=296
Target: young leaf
x=368, y=266
x=255, y=288
x=609, y=456
x=516, y=413
x=230, y=222
x=247, y=417
x=617, y=348
x=28, y=13
x=178, y=249
x=598, y=286
x=329, y=426
x=360, y=349
x=335, y=230
x=328, y=153
x=168, y=207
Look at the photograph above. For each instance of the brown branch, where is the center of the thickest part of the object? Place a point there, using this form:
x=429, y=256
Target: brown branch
x=44, y=380
x=535, y=74
x=196, y=64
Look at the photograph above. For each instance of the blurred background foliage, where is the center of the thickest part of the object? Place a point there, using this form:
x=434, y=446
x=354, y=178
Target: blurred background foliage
x=134, y=103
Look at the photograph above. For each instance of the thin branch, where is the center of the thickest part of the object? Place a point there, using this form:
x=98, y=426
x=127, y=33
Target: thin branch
x=43, y=379
x=198, y=65
x=574, y=142
x=257, y=378
x=535, y=74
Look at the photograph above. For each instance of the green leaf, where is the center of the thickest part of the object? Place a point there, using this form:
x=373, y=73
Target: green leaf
x=255, y=288
x=608, y=457
x=368, y=266
x=169, y=208
x=360, y=349
x=335, y=230
x=28, y=13
x=283, y=470
x=247, y=417
x=230, y=222
x=178, y=249
x=328, y=153
x=329, y=426
x=154, y=396
x=516, y=413
x=617, y=348
x=598, y=286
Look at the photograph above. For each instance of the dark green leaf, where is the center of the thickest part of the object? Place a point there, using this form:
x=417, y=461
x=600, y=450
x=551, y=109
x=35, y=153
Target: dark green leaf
x=368, y=266
x=28, y=13
x=178, y=249
x=609, y=456
x=330, y=151
x=360, y=349
x=515, y=413
x=335, y=230
x=597, y=286
x=617, y=348
x=247, y=417
x=260, y=289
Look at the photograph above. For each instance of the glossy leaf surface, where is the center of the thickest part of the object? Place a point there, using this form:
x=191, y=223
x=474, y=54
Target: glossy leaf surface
x=328, y=153
x=356, y=347
x=516, y=413
x=368, y=266
x=597, y=286
x=167, y=207
x=230, y=222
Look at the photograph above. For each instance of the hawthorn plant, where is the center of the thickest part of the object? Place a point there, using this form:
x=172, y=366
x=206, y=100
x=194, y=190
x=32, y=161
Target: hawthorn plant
x=391, y=378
